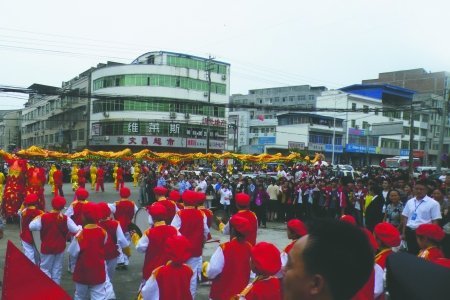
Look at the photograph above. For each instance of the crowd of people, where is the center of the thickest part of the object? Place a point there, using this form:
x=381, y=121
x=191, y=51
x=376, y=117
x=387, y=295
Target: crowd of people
x=343, y=229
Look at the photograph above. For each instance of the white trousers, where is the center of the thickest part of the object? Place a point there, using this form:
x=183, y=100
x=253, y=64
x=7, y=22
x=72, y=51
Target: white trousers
x=28, y=250
x=51, y=265
x=110, y=269
x=92, y=292
x=195, y=263
x=123, y=259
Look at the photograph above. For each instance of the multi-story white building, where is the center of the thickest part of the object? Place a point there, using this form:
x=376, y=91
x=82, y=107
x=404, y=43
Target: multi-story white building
x=162, y=100
x=9, y=129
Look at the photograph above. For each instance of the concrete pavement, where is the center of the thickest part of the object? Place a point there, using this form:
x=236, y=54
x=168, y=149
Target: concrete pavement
x=126, y=283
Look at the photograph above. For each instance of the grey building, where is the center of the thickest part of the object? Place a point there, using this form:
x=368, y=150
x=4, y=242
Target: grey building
x=9, y=129
x=257, y=126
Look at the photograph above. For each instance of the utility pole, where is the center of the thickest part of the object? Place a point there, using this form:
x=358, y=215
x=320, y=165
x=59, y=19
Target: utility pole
x=208, y=74
x=411, y=141
x=88, y=110
x=444, y=120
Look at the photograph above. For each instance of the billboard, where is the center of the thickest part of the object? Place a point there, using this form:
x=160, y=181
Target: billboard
x=387, y=128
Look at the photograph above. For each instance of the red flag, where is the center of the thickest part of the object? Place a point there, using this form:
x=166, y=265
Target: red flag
x=24, y=280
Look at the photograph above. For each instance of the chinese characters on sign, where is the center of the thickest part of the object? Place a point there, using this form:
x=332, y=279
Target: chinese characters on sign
x=214, y=122
x=153, y=127
x=133, y=127
x=174, y=128
x=160, y=141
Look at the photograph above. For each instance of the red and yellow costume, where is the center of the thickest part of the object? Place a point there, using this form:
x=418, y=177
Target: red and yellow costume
x=431, y=253
x=35, y=184
x=14, y=188
x=262, y=288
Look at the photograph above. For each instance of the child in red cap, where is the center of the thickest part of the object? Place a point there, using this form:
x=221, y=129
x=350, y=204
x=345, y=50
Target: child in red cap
x=74, y=210
x=386, y=236
x=265, y=263
x=428, y=237
x=27, y=214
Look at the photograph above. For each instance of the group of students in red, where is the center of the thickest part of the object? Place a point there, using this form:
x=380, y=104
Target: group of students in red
x=173, y=248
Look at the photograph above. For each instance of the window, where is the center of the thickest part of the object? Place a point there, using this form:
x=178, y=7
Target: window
x=366, y=109
x=353, y=106
x=405, y=145
x=291, y=98
x=301, y=97
x=284, y=99
x=311, y=97
x=365, y=125
x=353, y=124
x=81, y=134
x=277, y=99
x=376, y=111
x=390, y=143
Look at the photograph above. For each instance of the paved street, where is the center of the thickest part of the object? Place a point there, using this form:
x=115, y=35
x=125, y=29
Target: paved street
x=127, y=282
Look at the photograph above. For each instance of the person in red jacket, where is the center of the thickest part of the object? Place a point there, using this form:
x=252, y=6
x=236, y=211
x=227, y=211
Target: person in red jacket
x=243, y=206
x=192, y=224
x=87, y=249
x=428, y=237
x=119, y=178
x=75, y=208
x=115, y=239
x=27, y=214
x=265, y=263
x=170, y=205
x=58, y=181
x=153, y=240
x=295, y=230
x=100, y=182
x=229, y=267
x=81, y=177
x=201, y=198
x=54, y=227
x=171, y=281
x=387, y=236
x=124, y=211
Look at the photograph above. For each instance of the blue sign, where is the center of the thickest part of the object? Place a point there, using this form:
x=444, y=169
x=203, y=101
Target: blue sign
x=404, y=152
x=266, y=140
x=353, y=148
x=337, y=148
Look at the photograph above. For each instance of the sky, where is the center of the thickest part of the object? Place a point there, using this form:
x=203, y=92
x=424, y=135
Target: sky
x=275, y=43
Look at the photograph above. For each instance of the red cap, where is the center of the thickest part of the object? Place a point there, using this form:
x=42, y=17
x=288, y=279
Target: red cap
x=242, y=199
x=241, y=225
x=31, y=199
x=431, y=231
x=91, y=212
x=348, y=219
x=178, y=249
x=298, y=227
x=371, y=238
x=157, y=211
x=160, y=191
x=200, y=198
x=175, y=196
x=82, y=194
x=125, y=192
x=388, y=234
x=105, y=211
x=58, y=202
x=266, y=258
x=189, y=198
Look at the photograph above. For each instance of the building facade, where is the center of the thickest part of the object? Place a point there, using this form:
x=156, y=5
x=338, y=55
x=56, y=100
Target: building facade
x=163, y=100
x=257, y=127
x=9, y=130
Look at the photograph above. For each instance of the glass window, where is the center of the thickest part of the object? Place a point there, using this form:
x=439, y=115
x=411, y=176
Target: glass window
x=353, y=106
x=81, y=134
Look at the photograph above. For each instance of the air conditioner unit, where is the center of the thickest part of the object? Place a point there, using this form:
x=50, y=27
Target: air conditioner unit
x=187, y=115
x=173, y=115
x=224, y=77
x=205, y=94
x=106, y=114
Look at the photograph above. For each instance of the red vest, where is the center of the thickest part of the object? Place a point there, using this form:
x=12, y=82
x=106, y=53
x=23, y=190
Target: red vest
x=90, y=265
x=251, y=217
x=155, y=255
x=209, y=215
x=119, y=175
x=192, y=229
x=170, y=208
x=28, y=214
x=381, y=257
x=174, y=282
x=81, y=178
x=53, y=232
x=289, y=247
x=100, y=175
x=431, y=253
x=77, y=211
x=124, y=213
x=263, y=289
x=110, y=227
x=367, y=291
x=236, y=270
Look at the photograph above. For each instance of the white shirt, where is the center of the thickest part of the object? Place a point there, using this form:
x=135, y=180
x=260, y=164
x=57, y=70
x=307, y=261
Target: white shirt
x=144, y=242
x=150, y=290
x=425, y=210
x=225, y=196
x=201, y=187
x=216, y=264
